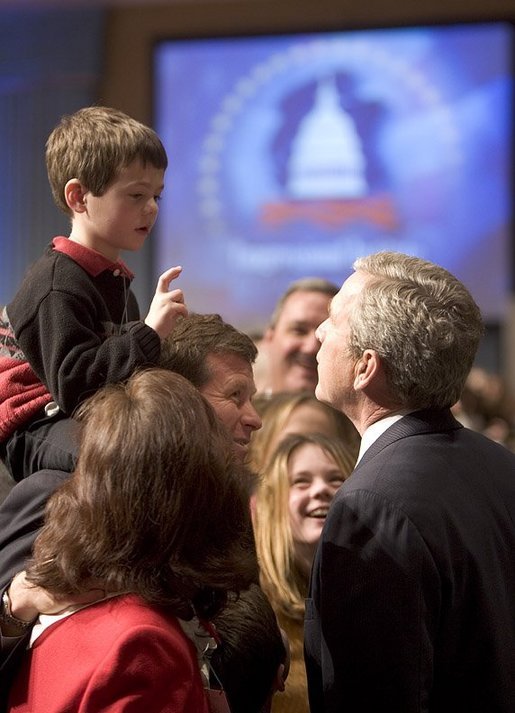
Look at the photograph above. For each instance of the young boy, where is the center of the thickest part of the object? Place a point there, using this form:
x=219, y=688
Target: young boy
x=74, y=324
x=251, y=660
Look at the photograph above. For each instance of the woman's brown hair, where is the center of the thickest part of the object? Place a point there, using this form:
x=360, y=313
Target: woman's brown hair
x=157, y=505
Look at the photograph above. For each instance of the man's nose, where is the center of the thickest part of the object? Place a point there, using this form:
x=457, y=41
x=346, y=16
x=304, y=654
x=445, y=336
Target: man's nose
x=320, y=332
x=310, y=343
x=252, y=418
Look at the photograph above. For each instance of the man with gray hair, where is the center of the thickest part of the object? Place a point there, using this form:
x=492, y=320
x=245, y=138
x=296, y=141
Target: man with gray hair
x=412, y=598
x=289, y=345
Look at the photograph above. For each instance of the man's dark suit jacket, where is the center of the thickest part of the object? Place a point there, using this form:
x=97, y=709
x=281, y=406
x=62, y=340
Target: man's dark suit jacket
x=412, y=596
x=21, y=517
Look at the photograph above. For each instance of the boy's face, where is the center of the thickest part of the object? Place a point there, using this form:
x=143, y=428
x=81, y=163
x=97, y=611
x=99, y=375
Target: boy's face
x=123, y=216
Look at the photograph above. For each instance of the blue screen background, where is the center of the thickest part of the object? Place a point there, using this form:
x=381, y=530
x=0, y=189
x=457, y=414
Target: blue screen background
x=292, y=155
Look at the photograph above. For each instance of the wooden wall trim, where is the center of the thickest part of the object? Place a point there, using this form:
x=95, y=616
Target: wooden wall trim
x=131, y=31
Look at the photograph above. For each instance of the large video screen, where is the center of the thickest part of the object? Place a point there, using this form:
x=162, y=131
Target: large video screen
x=291, y=155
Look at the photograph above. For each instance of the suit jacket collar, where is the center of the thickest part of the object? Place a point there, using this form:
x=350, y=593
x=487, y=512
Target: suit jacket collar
x=426, y=421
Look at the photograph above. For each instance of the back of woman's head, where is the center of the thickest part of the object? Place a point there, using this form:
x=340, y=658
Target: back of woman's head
x=156, y=505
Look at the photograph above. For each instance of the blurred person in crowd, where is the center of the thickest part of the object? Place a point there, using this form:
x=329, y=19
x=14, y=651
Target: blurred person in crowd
x=412, y=593
x=292, y=501
x=487, y=406
x=285, y=413
x=289, y=343
x=260, y=368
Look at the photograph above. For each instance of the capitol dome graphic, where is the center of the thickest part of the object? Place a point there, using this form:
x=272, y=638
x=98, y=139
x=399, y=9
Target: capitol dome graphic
x=326, y=160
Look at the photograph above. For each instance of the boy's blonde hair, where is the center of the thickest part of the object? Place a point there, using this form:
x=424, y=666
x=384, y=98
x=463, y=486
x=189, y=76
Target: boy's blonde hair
x=93, y=144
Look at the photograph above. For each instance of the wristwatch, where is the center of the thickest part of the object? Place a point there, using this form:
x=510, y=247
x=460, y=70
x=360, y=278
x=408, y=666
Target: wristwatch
x=8, y=619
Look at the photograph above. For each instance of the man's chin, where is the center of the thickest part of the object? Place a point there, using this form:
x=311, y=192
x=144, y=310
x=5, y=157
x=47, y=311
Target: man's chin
x=240, y=451
x=304, y=382
x=321, y=393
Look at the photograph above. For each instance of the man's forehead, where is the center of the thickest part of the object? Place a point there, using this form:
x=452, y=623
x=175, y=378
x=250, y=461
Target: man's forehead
x=228, y=365
x=296, y=304
x=352, y=287
x=348, y=292
x=306, y=295
x=227, y=357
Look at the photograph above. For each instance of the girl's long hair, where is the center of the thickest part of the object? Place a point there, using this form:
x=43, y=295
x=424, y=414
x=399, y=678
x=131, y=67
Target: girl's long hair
x=157, y=505
x=276, y=410
x=280, y=576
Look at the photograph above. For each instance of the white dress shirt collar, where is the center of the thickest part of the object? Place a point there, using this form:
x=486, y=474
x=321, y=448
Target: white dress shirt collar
x=375, y=430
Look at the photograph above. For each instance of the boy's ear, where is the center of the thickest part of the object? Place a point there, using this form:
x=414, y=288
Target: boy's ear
x=278, y=685
x=74, y=194
x=280, y=678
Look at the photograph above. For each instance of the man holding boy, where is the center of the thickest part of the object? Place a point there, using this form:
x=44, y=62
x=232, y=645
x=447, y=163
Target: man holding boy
x=74, y=324
x=216, y=358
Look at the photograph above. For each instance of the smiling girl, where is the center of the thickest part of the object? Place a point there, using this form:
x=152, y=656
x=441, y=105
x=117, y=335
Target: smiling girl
x=291, y=505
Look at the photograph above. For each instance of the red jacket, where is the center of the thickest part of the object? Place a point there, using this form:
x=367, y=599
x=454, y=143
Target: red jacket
x=117, y=656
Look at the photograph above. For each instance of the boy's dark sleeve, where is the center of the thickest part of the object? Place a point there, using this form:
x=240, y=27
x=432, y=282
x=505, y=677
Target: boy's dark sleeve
x=74, y=349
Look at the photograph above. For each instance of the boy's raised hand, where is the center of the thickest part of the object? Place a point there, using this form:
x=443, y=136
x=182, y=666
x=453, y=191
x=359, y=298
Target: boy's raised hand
x=167, y=305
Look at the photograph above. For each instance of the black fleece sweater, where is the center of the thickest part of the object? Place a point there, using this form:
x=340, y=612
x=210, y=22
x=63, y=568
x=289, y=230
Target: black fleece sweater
x=72, y=327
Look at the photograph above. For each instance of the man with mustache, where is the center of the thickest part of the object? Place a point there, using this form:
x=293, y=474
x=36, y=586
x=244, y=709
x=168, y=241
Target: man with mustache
x=289, y=344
